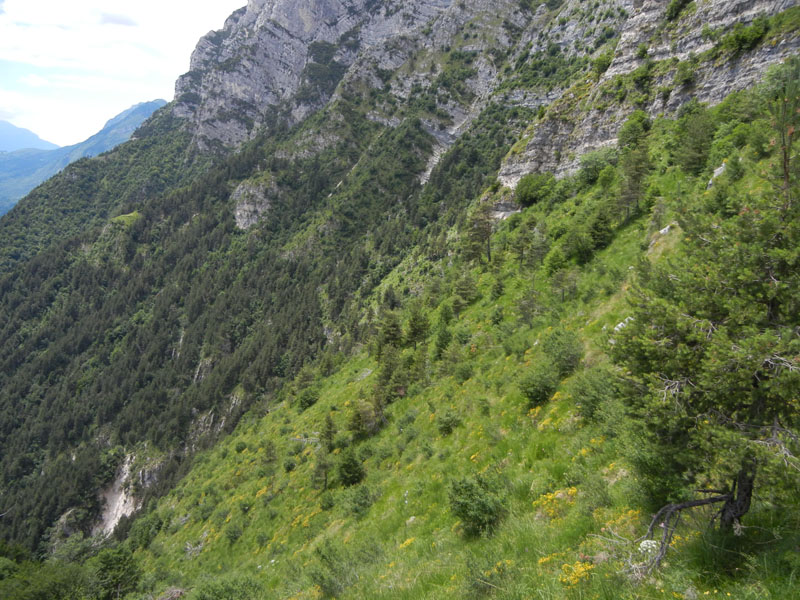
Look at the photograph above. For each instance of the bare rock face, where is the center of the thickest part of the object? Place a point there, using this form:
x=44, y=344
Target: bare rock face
x=585, y=122
x=284, y=53
x=251, y=200
x=118, y=500
x=283, y=60
x=685, y=36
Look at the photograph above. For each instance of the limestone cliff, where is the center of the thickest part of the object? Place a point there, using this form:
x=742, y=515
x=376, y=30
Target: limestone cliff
x=586, y=119
x=275, y=62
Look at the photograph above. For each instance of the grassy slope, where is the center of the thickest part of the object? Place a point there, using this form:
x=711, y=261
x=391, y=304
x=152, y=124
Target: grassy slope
x=571, y=500
x=569, y=495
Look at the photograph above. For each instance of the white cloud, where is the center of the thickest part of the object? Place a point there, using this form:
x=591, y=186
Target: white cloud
x=108, y=19
x=35, y=81
x=56, y=57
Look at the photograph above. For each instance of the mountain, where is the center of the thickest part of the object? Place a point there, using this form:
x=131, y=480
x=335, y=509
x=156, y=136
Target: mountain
x=22, y=170
x=16, y=138
x=427, y=299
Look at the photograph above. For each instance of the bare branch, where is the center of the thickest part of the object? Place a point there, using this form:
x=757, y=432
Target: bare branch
x=667, y=519
x=777, y=363
x=703, y=325
x=673, y=387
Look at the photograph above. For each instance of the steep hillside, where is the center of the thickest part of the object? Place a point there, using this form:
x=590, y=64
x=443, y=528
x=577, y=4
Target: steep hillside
x=317, y=248
x=23, y=170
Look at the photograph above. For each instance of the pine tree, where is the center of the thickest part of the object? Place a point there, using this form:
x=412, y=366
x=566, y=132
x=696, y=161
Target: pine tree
x=328, y=433
x=634, y=161
x=714, y=357
x=418, y=324
x=479, y=233
x=322, y=466
x=351, y=471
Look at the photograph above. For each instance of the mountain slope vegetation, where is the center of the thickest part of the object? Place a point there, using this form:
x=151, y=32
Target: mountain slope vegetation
x=404, y=379
x=23, y=170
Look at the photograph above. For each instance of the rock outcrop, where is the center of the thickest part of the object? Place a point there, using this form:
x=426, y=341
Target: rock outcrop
x=582, y=120
x=279, y=61
x=280, y=53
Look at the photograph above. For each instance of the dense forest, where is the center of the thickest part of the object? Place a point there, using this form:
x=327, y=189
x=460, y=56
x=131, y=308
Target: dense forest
x=393, y=386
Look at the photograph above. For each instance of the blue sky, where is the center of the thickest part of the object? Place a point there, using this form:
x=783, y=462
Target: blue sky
x=66, y=67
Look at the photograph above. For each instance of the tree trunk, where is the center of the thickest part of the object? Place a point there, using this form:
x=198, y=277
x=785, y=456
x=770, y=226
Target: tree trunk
x=739, y=502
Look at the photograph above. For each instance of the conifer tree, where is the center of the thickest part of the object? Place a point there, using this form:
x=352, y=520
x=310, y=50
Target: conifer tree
x=479, y=233
x=714, y=356
x=328, y=433
x=418, y=324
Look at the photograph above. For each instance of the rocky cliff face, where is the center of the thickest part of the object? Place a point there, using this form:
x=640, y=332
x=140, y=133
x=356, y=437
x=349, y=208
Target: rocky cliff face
x=591, y=122
x=290, y=55
x=277, y=61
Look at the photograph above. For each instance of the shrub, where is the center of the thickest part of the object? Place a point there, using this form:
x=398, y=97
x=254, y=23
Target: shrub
x=360, y=500
x=462, y=372
x=231, y=587
x=742, y=38
x=534, y=188
x=564, y=349
x=593, y=163
x=684, y=75
x=539, y=382
x=601, y=63
x=7, y=567
x=591, y=390
x=674, y=8
x=307, y=398
x=351, y=471
x=478, y=503
x=333, y=571
x=497, y=315
x=233, y=532
x=327, y=501
x=447, y=422
x=555, y=260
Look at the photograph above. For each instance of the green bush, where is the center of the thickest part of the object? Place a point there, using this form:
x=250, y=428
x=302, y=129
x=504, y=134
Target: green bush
x=539, y=382
x=462, y=372
x=742, y=38
x=327, y=501
x=233, y=532
x=534, y=188
x=593, y=163
x=684, y=75
x=333, y=571
x=360, y=500
x=478, y=503
x=307, y=398
x=7, y=567
x=564, y=349
x=675, y=7
x=351, y=471
x=447, y=422
x=230, y=587
x=591, y=390
x=602, y=62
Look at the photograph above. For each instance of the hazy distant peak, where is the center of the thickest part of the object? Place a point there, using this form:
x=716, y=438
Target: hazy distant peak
x=16, y=138
x=147, y=108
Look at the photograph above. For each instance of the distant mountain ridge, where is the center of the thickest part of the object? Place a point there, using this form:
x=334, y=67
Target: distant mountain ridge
x=24, y=169
x=17, y=138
